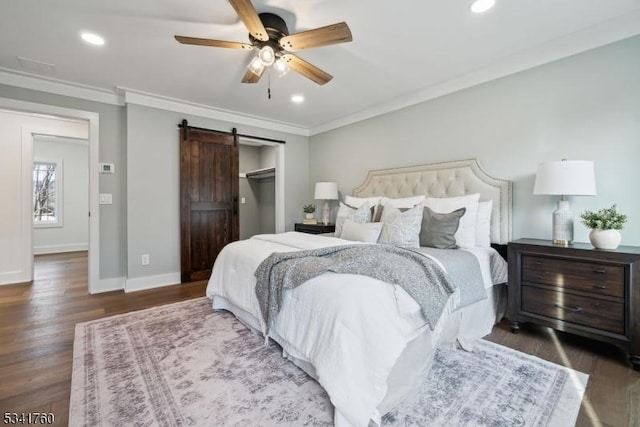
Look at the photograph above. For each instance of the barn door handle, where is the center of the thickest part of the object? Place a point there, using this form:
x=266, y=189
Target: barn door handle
x=235, y=205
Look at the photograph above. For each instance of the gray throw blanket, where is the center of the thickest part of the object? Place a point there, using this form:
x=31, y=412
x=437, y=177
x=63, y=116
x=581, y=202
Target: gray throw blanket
x=419, y=276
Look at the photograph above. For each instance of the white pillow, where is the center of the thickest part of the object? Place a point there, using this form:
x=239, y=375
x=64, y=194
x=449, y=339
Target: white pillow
x=356, y=202
x=367, y=232
x=483, y=224
x=466, y=234
x=359, y=215
x=404, y=203
x=401, y=228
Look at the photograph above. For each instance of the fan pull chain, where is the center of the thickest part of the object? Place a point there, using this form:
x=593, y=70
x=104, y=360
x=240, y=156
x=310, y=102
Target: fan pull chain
x=269, y=86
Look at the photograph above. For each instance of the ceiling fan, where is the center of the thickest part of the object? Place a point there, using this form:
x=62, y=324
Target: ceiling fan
x=269, y=35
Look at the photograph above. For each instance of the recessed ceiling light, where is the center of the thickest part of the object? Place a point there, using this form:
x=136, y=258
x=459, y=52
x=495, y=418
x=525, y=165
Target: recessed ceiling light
x=480, y=6
x=298, y=99
x=92, y=39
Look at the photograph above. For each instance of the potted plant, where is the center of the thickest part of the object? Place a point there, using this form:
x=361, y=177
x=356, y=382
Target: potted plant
x=605, y=225
x=309, y=210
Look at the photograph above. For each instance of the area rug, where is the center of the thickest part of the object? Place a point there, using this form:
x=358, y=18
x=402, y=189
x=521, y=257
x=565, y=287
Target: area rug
x=184, y=364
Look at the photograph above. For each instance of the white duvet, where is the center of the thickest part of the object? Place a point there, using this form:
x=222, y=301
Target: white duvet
x=352, y=329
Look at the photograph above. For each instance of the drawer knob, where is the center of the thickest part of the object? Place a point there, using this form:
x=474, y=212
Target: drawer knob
x=566, y=307
x=600, y=271
x=601, y=286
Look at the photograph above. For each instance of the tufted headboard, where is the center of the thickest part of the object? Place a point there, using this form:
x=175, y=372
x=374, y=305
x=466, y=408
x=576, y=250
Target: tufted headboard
x=448, y=179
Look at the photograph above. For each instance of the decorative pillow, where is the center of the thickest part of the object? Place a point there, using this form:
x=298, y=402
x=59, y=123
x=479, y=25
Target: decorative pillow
x=374, y=202
x=483, y=224
x=466, y=234
x=438, y=229
x=407, y=202
x=367, y=232
x=359, y=215
x=401, y=228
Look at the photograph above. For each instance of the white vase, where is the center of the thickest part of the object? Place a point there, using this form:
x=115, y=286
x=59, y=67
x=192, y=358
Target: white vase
x=308, y=215
x=605, y=239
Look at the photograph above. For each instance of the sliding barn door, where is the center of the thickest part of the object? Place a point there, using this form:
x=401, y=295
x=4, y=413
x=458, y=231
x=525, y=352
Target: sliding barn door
x=208, y=198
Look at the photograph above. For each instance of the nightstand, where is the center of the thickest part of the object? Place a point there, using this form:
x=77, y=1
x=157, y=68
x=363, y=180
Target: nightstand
x=315, y=228
x=577, y=289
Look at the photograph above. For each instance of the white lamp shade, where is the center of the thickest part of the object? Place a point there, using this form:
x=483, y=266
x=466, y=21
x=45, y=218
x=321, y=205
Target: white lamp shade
x=565, y=178
x=326, y=191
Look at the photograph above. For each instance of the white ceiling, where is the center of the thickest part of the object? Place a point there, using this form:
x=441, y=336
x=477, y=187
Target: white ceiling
x=402, y=52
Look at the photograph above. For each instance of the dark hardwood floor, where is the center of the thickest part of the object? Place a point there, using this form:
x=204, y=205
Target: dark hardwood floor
x=37, y=328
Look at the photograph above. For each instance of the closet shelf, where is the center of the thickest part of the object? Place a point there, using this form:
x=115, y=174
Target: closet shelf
x=261, y=173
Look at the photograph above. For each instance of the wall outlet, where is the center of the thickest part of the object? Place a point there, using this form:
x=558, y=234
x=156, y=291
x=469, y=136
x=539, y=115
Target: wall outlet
x=145, y=259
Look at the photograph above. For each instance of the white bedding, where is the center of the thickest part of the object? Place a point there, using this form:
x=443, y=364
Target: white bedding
x=351, y=329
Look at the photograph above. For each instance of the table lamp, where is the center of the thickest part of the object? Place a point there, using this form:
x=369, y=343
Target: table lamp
x=326, y=191
x=565, y=178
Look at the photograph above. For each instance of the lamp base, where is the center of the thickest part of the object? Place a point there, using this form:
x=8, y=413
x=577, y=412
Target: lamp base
x=325, y=213
x=563, y=224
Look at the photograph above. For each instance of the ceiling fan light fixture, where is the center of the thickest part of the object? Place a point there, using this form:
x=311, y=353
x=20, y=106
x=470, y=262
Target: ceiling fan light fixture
x=256, y=66
x=281, y=67
x=480, y=6
x=267, y=56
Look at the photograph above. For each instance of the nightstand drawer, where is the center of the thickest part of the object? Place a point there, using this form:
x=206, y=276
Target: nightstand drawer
x=604, y=315
x=604, y=279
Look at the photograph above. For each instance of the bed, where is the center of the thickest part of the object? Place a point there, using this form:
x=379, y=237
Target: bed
x=364, y=340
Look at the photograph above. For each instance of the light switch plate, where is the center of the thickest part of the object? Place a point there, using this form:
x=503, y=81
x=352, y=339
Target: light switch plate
x=106, y=199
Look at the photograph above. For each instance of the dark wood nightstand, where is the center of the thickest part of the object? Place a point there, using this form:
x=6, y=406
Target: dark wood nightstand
x=577, y=289
x=315, y=228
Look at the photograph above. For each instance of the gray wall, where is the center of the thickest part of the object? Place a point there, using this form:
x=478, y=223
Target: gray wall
x=585, y=107
x=113, y=232
x=144, y=216
x=153, y=183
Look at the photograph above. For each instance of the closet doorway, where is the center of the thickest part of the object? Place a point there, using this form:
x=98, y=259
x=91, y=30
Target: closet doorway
x=261, y=182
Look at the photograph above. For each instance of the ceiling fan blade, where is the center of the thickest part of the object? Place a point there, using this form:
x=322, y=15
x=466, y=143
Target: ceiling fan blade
x=323, y=36
x=251, y=77
x=213, y=43
x=250, y=18
x=308, y=70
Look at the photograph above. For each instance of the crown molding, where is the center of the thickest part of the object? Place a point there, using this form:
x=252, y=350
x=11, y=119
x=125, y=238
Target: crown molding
x=604, y=33
x=122, y=95
x=59, y=87
x=132, y=96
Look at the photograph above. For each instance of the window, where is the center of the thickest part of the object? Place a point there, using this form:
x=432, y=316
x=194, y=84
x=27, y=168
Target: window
x=47, y=194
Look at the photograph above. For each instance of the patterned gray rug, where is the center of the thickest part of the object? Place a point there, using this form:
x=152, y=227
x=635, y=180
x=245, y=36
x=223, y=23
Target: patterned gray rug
x=183, y=364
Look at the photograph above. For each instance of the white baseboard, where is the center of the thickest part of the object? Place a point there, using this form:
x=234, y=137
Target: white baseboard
x=14, y=277
x=150, y=282
x=109, y=285
x=57, y=249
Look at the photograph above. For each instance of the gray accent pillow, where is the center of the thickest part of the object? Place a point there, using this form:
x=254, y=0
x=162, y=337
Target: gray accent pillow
x=439, y=229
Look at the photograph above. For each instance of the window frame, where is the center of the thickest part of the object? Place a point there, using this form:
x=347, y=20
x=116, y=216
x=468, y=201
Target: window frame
x=58, y=168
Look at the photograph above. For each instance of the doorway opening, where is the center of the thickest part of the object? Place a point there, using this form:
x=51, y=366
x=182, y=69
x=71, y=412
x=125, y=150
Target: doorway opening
x=261, y=187
x=40, y=121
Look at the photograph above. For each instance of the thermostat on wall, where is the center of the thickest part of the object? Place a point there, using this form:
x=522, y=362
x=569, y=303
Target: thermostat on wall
x=107, y=168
